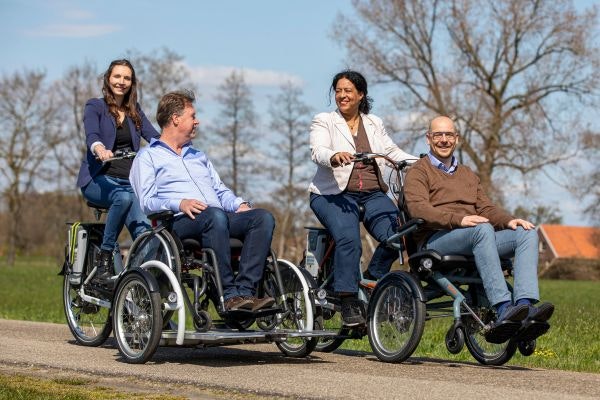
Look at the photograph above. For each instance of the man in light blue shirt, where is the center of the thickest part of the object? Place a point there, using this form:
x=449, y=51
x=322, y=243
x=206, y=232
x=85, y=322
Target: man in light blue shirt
x=170, y=174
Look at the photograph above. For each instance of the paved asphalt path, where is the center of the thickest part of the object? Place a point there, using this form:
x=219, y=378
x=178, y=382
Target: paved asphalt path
x=262, y=371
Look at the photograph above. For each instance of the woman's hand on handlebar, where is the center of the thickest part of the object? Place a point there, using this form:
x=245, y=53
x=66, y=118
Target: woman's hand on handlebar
x=102, y=153
x=342, y=158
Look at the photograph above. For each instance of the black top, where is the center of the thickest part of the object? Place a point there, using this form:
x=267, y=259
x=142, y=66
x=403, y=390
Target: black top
x=123, y=142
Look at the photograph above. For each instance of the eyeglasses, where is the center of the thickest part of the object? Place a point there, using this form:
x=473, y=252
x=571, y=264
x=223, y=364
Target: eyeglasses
x=437, y=136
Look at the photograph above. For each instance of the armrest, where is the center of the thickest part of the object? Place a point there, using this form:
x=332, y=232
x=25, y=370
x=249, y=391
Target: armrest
x=161, y=215
x=410, y=226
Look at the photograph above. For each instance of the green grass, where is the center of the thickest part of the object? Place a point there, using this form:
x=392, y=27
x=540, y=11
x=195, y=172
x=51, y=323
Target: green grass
x=19, y=387
x=32, y=291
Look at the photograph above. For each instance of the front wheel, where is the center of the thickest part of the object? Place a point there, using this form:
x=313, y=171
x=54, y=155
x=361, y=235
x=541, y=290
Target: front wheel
x=297, y=305
x=396, y=317
x=90, y=324
x=483, y=351
x=137, y=319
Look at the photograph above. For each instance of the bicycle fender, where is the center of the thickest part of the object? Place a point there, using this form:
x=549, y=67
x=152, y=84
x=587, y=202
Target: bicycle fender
x=147, y=276
x=404, y=277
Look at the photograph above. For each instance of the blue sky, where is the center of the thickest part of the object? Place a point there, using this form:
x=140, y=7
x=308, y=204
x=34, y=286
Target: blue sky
x=272, y=41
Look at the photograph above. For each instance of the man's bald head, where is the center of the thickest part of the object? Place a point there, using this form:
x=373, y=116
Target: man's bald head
x=442, y=139
x=441, y=124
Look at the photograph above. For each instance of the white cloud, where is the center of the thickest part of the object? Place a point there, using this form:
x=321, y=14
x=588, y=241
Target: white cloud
x=215, y=75
x=78, y=14
x=74, y=30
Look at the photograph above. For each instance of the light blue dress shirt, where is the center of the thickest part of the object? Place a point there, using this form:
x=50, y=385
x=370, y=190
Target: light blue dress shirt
x=440, y=165
x=161, y=179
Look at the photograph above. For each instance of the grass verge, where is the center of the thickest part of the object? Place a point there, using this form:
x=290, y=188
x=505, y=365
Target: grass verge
x=32, y=291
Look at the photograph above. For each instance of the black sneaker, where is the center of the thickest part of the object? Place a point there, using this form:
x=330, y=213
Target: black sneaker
x=536, y=324
x=541, y=313
x=367, y=275
x=507, y=324
x=352, y=314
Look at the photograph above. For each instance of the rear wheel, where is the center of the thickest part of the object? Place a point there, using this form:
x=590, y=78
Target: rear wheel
x=396, y=317
x=329, y=318
x=332, y=320
x=296, y=307
x=137, y=319
x=90, y=324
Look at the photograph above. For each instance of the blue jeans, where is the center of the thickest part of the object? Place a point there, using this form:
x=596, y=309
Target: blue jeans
x=213, y=227
x=339, y=214
x=488, y=246
x=124, y=209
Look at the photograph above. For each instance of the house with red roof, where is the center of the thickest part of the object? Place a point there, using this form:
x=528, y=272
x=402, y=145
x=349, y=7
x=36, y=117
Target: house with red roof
x=571, y=252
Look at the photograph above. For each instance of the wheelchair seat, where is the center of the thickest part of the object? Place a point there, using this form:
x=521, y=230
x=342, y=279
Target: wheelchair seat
x=96, y=206
x=447, y=262
x=194, y=244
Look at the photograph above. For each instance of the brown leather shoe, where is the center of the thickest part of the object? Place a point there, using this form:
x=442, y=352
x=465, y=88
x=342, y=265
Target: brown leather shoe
x=258, y=304
x=238, y=303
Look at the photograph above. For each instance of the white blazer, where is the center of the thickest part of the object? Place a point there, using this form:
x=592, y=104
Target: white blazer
x=329, y=134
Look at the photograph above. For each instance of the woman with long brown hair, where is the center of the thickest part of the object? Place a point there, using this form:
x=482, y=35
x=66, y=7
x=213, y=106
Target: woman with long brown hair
x=114, y=123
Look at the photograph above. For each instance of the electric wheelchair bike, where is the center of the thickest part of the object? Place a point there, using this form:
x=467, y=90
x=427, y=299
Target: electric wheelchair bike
x=435, y=286
x=165, y=282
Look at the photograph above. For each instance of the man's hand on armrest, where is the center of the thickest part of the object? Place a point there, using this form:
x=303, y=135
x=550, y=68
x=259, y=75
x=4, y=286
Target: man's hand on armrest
x=191, y=207
x=245, y=206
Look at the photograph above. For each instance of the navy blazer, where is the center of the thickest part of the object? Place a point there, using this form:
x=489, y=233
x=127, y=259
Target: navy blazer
x=100, y=126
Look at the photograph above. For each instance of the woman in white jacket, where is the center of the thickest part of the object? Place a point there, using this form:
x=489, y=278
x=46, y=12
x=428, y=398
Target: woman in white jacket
x=340, y=186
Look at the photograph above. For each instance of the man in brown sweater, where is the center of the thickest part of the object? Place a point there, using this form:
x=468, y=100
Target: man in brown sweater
x=461, y=219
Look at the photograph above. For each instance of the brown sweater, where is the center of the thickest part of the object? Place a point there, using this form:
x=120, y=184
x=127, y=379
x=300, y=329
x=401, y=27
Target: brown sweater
x=443, y=200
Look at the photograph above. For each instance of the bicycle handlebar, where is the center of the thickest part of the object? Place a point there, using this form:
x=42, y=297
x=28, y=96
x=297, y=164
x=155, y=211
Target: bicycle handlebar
x=370, y=157
x=120, y=155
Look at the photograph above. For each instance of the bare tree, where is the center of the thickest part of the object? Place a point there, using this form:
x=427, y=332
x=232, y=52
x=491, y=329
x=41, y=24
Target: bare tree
x=78, y=84
x=28, y=133
x=159, y=72
x=539, y=214
x=290, y=119
x=588, y=184
x=235, y=132
x=516, y=75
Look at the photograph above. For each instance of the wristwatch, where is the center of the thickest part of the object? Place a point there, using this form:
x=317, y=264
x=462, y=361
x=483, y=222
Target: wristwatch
x=246, y=202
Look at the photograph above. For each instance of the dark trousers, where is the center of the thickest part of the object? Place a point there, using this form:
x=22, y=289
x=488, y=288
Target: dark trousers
x=339, y=214
x=213, y=227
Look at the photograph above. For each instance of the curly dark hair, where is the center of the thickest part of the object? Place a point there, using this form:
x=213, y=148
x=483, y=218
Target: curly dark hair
x=360, y=83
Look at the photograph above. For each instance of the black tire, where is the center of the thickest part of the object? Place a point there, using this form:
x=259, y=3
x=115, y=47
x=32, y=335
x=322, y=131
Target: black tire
x=328, y=319
x=483, y=351
x=527, y=348
x=137, y=319
x=396, y=317
x=90, y=324
x=455, y=340
x=296, y=307
x=331, y=320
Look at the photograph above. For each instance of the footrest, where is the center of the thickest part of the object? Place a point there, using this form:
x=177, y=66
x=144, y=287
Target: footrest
x=242, y=314
x=500, y=333
x=531, y=330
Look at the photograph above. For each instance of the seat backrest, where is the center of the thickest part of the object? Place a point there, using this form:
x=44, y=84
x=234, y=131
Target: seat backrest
x=403, y=217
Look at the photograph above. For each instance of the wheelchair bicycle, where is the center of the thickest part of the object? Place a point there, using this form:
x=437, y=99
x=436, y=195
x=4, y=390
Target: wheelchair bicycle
x=435, y=286
x=318, y=261
x=163, y=277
